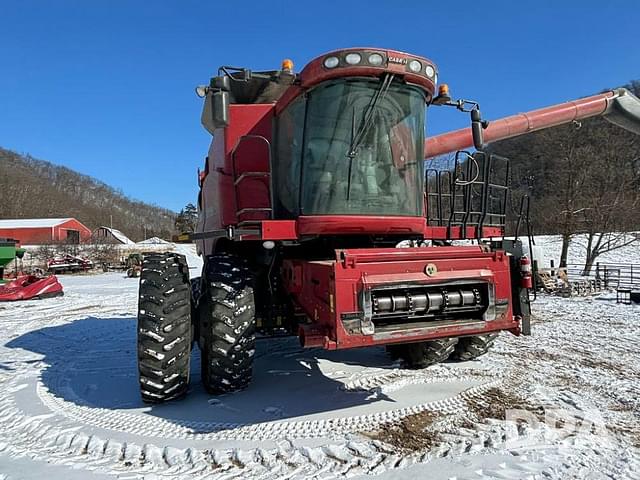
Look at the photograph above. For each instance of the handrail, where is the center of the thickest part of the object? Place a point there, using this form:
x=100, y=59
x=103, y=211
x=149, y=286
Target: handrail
x=237, y=179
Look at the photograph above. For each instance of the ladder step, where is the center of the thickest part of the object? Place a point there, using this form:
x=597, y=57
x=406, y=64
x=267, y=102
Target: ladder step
x=254, y=209
x=251, y=175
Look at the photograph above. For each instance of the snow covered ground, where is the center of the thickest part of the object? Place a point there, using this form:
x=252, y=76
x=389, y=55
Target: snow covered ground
x=563, y=403
x=551, y=246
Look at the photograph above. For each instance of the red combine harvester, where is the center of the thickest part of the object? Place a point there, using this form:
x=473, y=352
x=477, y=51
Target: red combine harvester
x=311, y=182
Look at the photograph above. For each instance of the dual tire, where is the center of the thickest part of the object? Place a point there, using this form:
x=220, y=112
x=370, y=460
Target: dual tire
x=470, y=348
x=424, y=354
x=218, y=310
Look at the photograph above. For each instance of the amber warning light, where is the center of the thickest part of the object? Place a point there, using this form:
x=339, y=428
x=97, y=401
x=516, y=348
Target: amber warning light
x=443, y=95
x=287, y=65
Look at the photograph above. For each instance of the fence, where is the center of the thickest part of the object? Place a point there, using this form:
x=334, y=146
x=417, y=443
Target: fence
x=618, y=275
x=610, y=275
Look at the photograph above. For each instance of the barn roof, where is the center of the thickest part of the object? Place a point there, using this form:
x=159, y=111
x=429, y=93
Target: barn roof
x=118, y=235
x=33, y=222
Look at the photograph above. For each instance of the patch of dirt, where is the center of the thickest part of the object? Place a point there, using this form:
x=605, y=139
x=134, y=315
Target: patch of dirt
x=598, y=364
x=551, y=357
x=495, y=403
x=630, y=432
x=540, y=319
x=537, y=355
x=618, y=406
x=412, y=433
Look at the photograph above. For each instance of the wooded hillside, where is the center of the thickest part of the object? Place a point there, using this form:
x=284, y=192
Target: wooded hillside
x=31, y=188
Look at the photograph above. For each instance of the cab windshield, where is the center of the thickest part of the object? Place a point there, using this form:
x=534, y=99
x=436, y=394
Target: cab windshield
x=363, y=149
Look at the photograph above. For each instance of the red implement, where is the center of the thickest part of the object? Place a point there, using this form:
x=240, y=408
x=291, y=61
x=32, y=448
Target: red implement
x=28, y=287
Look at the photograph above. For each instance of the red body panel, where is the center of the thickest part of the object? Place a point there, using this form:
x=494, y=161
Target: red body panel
x=359, y=224
x=362, y=224
x=28, y=287
x=327, y=289
x=229, y=157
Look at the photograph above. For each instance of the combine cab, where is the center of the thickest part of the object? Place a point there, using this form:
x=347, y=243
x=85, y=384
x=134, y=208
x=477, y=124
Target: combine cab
x=312, y=181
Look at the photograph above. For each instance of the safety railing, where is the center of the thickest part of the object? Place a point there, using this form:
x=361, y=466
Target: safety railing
x=472, y=194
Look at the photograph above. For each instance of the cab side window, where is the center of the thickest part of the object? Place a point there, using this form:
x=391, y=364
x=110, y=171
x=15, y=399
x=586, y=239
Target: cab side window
x=289, y=133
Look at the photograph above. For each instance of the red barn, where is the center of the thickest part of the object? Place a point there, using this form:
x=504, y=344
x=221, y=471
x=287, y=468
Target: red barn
x=34, y=231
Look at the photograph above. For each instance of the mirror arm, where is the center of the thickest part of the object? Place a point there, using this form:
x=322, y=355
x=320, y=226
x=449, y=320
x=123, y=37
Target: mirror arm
x=477, y=124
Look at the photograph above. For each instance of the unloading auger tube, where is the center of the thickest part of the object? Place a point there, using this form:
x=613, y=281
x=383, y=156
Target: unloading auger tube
x=618, y=106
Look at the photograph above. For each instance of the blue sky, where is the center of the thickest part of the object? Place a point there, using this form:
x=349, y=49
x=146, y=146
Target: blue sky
x=106, y=87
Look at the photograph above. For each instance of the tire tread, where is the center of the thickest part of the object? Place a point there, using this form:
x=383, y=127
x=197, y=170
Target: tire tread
x=164, y=327
x=230, y=329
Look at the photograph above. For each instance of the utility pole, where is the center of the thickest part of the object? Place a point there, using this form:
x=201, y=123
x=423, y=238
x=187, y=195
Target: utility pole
x=111, y=221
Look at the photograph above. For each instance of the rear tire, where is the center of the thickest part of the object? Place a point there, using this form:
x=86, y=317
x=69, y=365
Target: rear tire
x=470, y=348
x=423, y=354
x=227, y=324
x=164, y=327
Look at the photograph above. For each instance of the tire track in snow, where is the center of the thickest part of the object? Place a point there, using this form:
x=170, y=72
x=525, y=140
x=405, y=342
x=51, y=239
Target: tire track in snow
x=39, y=436
x=150, y=426
x=570, y=348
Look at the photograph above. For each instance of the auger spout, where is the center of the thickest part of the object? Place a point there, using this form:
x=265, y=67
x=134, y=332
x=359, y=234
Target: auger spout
x=618, y=106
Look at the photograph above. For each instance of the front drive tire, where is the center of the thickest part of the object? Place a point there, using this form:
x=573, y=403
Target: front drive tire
x=423, y=354
x=227, y=324
x=164, y=327
x=470, y=348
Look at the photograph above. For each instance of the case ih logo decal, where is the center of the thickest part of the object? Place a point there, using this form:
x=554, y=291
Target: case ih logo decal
x=399, y=60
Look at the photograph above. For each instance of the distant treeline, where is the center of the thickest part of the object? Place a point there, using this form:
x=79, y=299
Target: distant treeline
x=31, y=188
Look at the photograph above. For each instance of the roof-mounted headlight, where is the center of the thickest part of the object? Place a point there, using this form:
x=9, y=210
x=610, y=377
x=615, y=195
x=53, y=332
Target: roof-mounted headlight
x=415, y=66
x=430, y=71
x=375, y=59
x=331, y=62
x=353, y=58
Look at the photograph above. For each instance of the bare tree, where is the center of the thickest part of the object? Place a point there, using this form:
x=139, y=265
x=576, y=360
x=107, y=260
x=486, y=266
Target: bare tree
x=611, y=196
x=585, y=179
x=562, y=174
